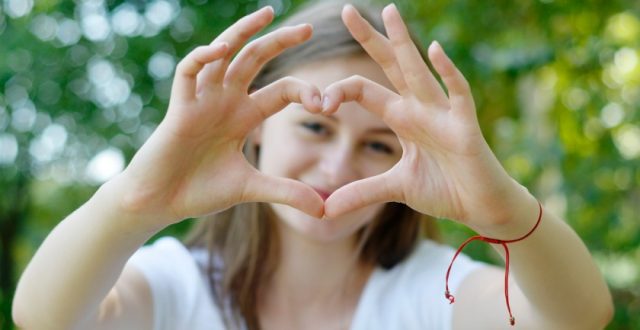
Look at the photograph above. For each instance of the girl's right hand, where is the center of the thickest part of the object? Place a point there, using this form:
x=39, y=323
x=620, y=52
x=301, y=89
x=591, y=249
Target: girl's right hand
x=193, y=165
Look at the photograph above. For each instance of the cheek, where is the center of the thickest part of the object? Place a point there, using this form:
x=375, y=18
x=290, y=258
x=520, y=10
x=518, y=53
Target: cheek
x=282, y=154
x=373, y=165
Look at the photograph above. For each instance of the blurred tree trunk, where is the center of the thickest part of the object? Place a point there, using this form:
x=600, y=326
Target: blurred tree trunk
x=12, y=217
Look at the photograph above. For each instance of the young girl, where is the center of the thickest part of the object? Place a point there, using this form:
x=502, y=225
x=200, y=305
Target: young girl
x=345, y=139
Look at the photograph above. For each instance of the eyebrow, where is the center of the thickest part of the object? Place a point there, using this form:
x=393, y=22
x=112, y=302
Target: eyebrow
x=376, y=130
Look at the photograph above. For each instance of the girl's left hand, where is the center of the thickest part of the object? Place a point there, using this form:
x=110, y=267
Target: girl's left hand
x=447, y=168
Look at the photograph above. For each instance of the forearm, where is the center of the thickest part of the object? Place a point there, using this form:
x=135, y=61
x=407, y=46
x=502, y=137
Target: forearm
x=555, y=271
x=77, y=264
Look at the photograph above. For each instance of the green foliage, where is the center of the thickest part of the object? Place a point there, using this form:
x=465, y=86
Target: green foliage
x=557, y=85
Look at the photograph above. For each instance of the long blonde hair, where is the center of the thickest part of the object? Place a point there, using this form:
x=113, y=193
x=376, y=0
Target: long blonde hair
x=242, y=241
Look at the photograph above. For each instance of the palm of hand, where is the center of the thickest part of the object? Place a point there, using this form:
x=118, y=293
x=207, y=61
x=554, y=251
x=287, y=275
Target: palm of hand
x=204, y=145
x=434, y=144
x=443, y=165
x=193, y=164
x=191, y=148
x=447, y=169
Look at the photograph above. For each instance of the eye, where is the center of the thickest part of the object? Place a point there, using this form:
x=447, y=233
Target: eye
x=380, y=147
x=316, y=128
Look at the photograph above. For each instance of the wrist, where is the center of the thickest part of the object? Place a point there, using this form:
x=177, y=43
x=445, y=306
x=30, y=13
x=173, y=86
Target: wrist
x=495, y=238
x=514, y=218
x=115, y=198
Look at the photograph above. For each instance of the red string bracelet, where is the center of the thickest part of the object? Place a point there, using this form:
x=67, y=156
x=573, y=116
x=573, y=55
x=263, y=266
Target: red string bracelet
x=504, y=243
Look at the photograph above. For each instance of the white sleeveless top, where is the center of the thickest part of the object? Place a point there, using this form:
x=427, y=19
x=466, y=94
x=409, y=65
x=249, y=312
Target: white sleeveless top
x=408, y=296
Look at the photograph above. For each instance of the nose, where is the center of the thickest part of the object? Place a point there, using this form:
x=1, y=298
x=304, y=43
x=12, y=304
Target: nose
x=339, y=165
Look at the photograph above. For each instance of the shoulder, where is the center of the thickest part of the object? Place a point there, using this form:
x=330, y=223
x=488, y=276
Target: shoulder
x=411, y=294
x=166, y=258
x=180, y=291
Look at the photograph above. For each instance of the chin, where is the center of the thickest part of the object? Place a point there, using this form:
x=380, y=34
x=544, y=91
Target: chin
x=322, y=230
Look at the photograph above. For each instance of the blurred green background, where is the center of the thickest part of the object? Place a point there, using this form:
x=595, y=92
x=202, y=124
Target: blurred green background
x=557, y=83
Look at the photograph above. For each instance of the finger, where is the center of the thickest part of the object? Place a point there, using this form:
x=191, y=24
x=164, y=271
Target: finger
x=268, y=189
x=415, y=71
x=184, y=82
x=358, y=194
x=235, y=36
x=258, y=52
x=277, y=95
x=370, y=95
x=375, y=44
x=459, y=91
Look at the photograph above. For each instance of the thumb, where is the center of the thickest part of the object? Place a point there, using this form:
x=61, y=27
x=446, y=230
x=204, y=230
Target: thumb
x=269, y=189
x=361, y=193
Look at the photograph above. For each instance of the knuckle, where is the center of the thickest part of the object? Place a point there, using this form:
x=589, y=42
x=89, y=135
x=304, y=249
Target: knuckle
x=261, y=111
x=388, y=64
x=252, y=48
x=182, y=65
x=244, y=34
x=356, y=78
x=366, y=37
x=281, y=43
x=185, y=66
x=357, y=82
x=254, y=51
x=288, y=81
x=464, y=85
x=414, y=76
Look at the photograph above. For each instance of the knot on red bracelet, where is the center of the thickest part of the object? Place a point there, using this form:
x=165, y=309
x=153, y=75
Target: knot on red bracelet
x=451, y=298
x=504, y=243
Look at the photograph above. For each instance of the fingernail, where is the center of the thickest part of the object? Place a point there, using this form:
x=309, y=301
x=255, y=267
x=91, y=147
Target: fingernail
x=316, y=101
x=438, y=47
x=266, y=9
x=305, y=25
x=325, y=103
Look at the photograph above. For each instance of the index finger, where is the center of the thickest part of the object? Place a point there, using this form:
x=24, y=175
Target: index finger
x=370, y=95
x=277, y=95
x=236, y=36
x=184, y=83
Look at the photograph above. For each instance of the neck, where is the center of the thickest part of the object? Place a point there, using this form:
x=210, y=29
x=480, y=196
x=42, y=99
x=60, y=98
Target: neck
x=315, y=276
x=316, y=266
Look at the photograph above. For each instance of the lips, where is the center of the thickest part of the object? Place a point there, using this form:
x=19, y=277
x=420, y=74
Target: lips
x=323, y=193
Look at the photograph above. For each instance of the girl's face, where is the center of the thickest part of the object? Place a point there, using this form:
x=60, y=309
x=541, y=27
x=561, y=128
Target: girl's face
x=327, y=153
